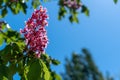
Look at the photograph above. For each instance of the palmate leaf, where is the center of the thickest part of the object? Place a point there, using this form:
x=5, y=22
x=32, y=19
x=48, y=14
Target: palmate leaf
x=38, y=71
x=11, y=36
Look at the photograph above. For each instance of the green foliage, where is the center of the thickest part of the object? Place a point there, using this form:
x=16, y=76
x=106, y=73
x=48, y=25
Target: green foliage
x=14, y=5
x=73, y=13
x=55, y=62
x=4, y=12
x=1, y=39
x=115, y=1
x=38, y=66
x=85, y=10
x=35, y=3
x=3, y=72
x=82, y=67
x=55, y=76
x=17, y=6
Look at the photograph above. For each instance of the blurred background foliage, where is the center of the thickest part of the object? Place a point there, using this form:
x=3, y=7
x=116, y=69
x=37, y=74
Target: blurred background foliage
x=115, y=1
x=82, y=67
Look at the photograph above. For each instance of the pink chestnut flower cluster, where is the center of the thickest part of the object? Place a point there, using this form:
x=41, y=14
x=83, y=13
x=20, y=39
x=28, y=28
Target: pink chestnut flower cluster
x=72, y=4
x=35, y=33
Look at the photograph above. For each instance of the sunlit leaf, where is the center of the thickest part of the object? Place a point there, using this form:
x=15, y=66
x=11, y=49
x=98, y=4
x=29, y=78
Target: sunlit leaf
x=1, y=39
x=40, y=68
x=45, y=71
x=58, y=77
x=4, y=78
x=5, y=1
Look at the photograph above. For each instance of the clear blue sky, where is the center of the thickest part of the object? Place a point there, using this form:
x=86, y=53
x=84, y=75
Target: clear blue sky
x=99, y=33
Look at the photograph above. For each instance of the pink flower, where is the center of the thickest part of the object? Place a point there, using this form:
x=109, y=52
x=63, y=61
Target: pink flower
x=35, y=33
x=72, y=4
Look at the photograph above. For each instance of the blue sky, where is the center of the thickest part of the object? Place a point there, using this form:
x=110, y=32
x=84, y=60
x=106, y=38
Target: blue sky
x=99, y=33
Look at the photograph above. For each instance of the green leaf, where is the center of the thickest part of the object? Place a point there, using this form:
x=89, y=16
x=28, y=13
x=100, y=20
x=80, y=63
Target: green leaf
x=38, y=71
x=24, y=8
x=4, y=78
x=11, y=33
x=55, y=62
x=1, y=39
x=22, y=70
x=10, y=53
x=115, y=1
x=3, y=25
x=11, y=36
x=12, y=70
x=57, y=77
x=71, y=18
x=1, y=2
x=34, y=68
x=17, y=9
x=62, y=13
x=85, y=10
x=3, y=72
x=21, y=45
x=44, y=56
x=35, y=3
x=5, y=1
x=12, y=9
x=45, y=71
x=26, y=69
x=46, y=0
x=4, y=12
x=6, y=54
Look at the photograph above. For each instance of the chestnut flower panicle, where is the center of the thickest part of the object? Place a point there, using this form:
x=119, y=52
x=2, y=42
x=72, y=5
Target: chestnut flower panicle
x=35, y=33
x=72, y=4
